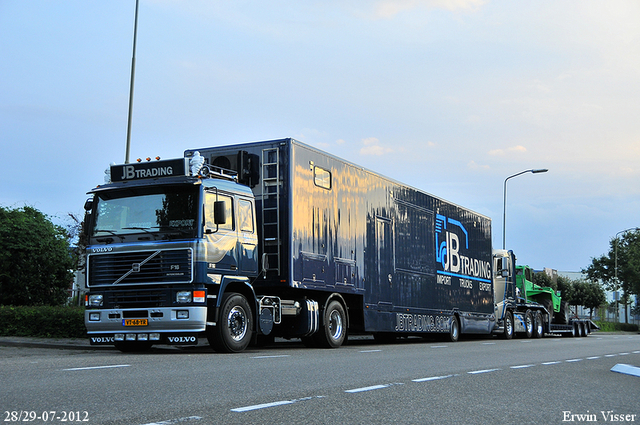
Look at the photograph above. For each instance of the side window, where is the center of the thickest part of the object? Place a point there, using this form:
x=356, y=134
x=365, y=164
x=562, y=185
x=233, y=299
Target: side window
x=245, y=216
x=322, y=177
x=228, y=202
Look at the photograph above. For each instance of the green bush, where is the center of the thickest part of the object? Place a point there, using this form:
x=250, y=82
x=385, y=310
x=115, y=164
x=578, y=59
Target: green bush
x=42, y=321
x=616, y=327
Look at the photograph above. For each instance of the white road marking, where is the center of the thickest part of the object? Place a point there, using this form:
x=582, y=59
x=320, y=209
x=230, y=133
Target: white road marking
x=371, y=388
x=267, y=405
x=475, y=372
x=610, y=355
x=176, y=421
x=550, y=363
x=271, y=357
x=98, y=367
x=522, y=366
x=573, y=360
x=626, y=369
x=370, y=351
x=432, y=378
x=593, y=357
x=438, y=346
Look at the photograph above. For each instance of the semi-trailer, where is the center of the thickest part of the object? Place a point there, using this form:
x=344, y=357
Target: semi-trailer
x=247, y=242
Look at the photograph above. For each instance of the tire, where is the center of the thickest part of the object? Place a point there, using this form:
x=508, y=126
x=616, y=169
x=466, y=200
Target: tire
x=563, y=316
x=334, y=329
x=538, y=330
x=133, y=346
x=508, y=325
x=454, y=329
x=581, y=332
x=234, y=329
x=548, y=304
x=529, y=324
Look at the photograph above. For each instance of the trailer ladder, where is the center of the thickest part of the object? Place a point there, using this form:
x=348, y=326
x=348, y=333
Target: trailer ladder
x=271, y=186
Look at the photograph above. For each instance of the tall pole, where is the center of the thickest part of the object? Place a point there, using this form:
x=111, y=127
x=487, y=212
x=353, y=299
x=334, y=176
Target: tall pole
x=133, y=73
x=504, y=199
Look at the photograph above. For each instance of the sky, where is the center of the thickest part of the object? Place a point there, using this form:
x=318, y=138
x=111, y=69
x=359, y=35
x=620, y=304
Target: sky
x=448, y=96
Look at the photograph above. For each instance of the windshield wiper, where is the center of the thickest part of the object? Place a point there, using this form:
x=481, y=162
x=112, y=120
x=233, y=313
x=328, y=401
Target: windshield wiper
x=108, y=240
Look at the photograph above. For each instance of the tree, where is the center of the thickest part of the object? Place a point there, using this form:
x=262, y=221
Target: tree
x=35, y=259
x=565, y=286
x=544, y=280
x=620, y=267
x=587, y=294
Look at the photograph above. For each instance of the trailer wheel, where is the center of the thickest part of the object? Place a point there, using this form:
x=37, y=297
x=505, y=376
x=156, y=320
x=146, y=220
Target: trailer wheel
x=548, y=304
x=581, y=332
x=538, y=331
x=508, y=325
x=334, y=330
x=529, y=323
x=233, y=332
x=454, y=329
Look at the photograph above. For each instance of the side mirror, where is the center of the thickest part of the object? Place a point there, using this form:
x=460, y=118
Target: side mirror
x=88, y=205
x=219, y=212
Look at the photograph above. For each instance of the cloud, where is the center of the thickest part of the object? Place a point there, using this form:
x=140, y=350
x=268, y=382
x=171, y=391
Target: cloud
x=372, y=147
x=502, y=152
x=472, y=165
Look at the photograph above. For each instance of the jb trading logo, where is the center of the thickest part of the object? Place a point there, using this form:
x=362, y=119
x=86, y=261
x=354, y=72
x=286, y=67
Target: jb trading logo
x=449, y=254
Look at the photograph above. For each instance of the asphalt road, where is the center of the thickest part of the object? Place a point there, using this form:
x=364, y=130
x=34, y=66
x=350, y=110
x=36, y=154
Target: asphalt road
x=477, y=381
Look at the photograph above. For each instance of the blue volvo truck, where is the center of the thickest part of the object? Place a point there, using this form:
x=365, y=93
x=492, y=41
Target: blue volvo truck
x=247, y=242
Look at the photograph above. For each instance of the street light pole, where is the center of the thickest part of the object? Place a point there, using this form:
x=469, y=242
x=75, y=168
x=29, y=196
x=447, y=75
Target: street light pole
x=133, y=73
x=616, y=271
x=504, y=199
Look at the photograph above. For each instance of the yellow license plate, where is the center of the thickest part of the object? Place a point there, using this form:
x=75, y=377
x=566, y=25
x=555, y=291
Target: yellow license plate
x=135, y=322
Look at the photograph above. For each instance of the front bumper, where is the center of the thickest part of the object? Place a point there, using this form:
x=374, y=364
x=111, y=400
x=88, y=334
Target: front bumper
x=102, y=325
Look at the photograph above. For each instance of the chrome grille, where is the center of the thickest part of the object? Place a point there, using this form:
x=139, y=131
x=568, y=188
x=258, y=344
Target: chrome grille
x=139, y=267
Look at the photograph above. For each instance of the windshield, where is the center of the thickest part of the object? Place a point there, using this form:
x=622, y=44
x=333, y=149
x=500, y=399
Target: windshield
x=147, y=210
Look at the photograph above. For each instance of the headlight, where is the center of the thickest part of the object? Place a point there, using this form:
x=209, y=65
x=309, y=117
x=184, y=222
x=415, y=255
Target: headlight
x=183, y=296
x=95, y=300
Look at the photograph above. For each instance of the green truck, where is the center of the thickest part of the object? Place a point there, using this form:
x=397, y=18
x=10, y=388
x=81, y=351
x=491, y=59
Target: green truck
x=558, y=318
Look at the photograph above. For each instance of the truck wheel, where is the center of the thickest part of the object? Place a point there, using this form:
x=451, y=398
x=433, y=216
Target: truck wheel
x=563, y=316
x=538, y=331
x=233, y=331
x=334, y=331
x=454, y=329
x=508, y=325
x=529, y=323
x=548, y=304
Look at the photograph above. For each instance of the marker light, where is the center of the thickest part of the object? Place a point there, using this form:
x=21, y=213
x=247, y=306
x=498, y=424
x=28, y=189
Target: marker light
x=94, y=317
x=198, y=296
x=182, y=314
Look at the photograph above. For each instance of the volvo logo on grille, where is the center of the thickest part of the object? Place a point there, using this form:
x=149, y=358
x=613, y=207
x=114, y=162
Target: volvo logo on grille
x=135, y=267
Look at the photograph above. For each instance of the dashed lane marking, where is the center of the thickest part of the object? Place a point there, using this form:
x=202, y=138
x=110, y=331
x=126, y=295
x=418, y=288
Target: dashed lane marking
x=176, y=421
x=272, y=404
x=475, y=372
x=433, y=378
x=371, y=388
x=98, y=367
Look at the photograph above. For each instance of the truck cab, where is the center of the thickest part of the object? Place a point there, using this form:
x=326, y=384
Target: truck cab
x=164, y=242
